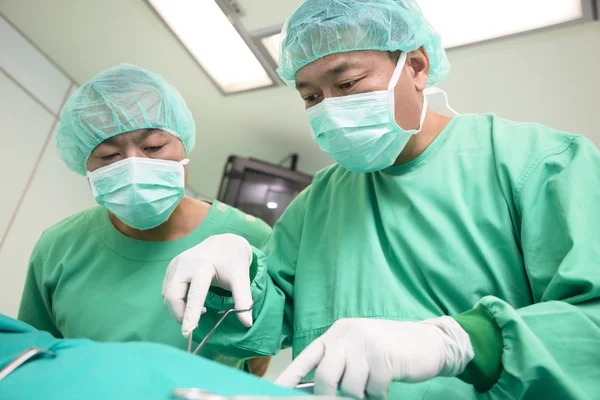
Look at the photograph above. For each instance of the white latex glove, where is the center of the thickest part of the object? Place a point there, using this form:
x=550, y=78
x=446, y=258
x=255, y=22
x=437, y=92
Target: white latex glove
x=364, y=356
x=222, y=261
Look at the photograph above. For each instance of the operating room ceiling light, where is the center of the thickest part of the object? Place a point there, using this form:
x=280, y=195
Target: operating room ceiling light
x=462, y=22
x=210, y=37
x=237, y=61
x=272, y=44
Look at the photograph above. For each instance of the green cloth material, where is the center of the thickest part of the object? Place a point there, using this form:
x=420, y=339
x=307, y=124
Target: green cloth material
x=87, y=280
x=486, y=338
x=83, y=369
x=493, y=213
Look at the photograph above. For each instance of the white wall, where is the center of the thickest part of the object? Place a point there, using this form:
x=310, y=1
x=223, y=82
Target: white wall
x=551, y=77
x=37, y=189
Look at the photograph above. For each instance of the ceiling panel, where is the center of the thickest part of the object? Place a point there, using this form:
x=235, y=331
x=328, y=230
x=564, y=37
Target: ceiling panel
x=262, y=14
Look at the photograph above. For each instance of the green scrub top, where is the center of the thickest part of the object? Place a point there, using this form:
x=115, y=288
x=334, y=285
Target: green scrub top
x=495, y=221
x=87, y=280
x=83, y=369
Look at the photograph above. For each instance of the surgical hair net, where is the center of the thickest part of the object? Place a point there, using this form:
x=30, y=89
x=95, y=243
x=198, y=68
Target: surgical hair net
x=319, y=28
x=121, y=99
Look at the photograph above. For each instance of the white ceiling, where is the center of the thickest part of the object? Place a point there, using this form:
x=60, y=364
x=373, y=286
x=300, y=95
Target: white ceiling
x=86, y=36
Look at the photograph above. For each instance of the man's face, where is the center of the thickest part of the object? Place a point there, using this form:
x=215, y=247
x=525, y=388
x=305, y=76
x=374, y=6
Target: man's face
x=143, y=143
x=343, y=74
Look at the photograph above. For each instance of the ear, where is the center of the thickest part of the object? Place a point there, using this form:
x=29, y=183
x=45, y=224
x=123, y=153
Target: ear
x=418, y=61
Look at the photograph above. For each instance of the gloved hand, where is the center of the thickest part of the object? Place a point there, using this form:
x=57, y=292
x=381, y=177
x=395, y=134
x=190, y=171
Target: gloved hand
x=222, y=261
x=364, y=356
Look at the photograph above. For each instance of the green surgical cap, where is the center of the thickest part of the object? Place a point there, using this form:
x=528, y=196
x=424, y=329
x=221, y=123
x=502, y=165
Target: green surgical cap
x=121, y=99
x=319, y=28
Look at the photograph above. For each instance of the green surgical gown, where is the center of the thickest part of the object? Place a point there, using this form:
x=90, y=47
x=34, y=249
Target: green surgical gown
x=86, y=370
x=494, y=217
x=87, y=280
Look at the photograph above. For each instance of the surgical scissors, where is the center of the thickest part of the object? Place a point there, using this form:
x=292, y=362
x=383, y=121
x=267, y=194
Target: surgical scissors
x=225, y=314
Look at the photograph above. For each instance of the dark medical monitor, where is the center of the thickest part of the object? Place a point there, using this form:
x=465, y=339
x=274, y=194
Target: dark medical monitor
x=260, y=189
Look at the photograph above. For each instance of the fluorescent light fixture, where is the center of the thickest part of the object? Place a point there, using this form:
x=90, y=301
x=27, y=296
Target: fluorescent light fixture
x=272, y=44
x=272, y=205
x=211, y=38
x=461, y=22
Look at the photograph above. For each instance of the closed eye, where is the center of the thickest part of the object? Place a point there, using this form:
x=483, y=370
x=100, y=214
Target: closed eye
x=110, y=156
x=153, y=149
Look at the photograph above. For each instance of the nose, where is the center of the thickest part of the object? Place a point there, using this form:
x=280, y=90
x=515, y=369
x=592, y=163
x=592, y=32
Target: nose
x=333, y=92
x=134, y=151
x=328, y=93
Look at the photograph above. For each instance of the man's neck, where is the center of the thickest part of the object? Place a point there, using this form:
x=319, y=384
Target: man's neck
x=188, y=215
x=433, y=125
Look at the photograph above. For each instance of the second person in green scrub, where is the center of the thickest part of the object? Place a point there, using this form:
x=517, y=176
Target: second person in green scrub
x=95, y=275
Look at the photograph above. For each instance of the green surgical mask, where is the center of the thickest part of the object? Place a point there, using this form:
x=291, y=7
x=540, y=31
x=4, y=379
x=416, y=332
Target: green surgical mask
x=359, y=131
x=141, y=192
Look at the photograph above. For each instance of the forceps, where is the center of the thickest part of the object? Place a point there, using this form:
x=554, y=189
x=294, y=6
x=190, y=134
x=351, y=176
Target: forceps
x=225, y=314
x=199, y=394
x=22, y=359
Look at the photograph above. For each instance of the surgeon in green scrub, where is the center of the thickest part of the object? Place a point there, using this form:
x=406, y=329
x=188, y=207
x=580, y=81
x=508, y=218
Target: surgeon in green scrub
x=95, y=275
x=442, y=257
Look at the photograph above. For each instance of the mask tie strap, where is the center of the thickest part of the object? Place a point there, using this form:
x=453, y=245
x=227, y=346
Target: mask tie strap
x=91, y=181
x=436, y=90
x=183, y=163
x=397, y=71
x=394, y=81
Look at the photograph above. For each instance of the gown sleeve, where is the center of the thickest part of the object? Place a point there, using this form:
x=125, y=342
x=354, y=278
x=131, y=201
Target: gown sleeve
x=550, y=348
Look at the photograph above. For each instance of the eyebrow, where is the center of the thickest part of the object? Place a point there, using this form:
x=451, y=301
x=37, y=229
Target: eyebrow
x=336, y=70
x=143, y=135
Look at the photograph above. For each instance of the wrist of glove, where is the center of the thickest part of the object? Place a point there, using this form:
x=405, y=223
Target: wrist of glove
x=364, y=356
x=221, y=261
x=458, y=348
